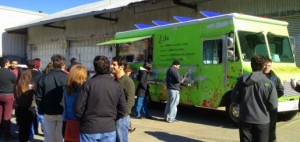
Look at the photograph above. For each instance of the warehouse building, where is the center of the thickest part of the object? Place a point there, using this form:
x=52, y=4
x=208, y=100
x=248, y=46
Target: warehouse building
x=75, y=32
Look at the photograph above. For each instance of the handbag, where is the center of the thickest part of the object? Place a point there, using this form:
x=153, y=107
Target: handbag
x=72, y=131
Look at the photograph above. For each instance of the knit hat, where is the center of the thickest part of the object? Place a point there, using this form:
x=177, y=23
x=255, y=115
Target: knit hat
x=176, y=62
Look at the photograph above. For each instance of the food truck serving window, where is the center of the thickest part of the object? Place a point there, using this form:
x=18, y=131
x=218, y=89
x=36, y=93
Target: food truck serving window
x=138, y=51
x=135, y=49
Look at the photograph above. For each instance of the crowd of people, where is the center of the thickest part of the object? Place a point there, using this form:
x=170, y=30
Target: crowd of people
x=101, y=105
x=59, y=96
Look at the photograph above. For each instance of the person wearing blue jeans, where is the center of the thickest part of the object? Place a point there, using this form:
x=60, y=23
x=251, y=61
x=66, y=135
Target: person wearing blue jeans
x=42, y=121
x=100, y=137
x=173, y=81
x=142, y=92
x=123, y=124
x=171, y=106
x=141, y=107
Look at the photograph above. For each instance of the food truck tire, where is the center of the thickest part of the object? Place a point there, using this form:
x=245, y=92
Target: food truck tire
x=232, y=112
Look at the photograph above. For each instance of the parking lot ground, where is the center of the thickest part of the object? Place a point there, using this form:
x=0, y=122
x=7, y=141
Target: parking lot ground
x=194, y=125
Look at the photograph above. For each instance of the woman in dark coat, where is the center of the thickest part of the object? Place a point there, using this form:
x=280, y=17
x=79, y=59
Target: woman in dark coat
x=24, y=90
x=142, y=92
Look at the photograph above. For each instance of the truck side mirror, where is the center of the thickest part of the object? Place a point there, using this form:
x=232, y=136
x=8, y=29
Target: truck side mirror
x=230, y=42
x=230, y=53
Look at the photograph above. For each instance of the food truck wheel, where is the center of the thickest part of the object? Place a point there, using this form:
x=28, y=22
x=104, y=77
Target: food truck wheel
x=233, y=111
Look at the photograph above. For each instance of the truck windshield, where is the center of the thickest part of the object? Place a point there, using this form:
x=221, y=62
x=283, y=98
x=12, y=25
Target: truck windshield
x=280, y=48
x=252, y=44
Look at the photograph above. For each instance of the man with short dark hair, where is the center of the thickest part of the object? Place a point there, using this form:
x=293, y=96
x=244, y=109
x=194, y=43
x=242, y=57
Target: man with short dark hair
x=7, y=80
x=280, y=89
x=173, y=81
x=256, y=96
x=118, y=69
x=14, y=68
x=37, y=64
x=73, y=62
x=100, y=102
x=49, y=99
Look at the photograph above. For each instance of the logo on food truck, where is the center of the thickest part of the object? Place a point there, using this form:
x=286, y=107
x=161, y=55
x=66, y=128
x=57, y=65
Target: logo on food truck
x=162, y=39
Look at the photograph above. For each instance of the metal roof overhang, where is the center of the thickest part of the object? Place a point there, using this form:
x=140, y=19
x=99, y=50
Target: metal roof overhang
x=23, y=28
x=125, y=40
x=91, y=9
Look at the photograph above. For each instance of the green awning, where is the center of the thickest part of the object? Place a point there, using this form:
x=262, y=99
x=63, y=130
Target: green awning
x=125, y=40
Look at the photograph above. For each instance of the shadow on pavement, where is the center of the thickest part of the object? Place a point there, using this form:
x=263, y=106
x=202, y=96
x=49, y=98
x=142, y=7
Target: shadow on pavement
x=198, y=115
x=163, y=136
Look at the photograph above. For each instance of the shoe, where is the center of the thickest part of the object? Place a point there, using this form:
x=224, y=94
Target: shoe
x=130, y=130
x=172, y=121
x=139, y=117
x=149, y=117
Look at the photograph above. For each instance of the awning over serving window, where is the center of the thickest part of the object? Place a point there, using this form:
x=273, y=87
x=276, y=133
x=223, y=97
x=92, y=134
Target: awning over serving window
x=125, y=40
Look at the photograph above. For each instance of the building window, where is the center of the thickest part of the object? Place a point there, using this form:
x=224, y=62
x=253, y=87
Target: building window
x=212, y=51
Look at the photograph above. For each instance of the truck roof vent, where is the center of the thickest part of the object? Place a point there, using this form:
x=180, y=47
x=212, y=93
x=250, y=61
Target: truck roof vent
x=143, y=26
x=183, y=19
x=209, y=13
x=160, y=23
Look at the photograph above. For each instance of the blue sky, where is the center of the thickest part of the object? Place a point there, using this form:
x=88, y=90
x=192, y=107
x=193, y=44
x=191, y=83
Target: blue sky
x=46, y=6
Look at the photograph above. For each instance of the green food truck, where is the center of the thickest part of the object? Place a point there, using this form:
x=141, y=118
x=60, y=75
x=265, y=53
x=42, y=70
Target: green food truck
x=213, y=51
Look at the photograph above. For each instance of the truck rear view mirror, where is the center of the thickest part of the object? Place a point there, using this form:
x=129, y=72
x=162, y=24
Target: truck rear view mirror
x=230, y=42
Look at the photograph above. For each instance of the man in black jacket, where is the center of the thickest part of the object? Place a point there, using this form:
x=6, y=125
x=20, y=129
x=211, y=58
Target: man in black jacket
x=257, y=96
x=279, y=88
x=173, y=81
x=100, y=103
x=49, y=99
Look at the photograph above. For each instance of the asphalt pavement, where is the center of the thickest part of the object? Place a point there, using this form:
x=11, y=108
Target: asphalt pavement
x=194, y=125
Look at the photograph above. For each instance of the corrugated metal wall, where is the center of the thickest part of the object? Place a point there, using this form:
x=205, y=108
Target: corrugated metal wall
x=86, y=50
x=294, y=22
x=82, y=34
x=14, y=44
x=45, y=50
x=252, y=7
x=297, y=51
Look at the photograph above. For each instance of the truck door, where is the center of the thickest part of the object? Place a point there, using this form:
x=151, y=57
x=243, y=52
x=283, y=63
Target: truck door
x=211, y=71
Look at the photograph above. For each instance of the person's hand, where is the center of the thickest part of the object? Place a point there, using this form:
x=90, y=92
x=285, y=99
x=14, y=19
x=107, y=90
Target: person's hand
x=186, y=75
x=293, y=83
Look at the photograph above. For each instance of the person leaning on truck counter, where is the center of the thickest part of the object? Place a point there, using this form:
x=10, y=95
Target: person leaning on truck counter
x=173, y=81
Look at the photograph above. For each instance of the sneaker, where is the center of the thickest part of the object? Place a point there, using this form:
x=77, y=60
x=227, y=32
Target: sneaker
x=149, y=117
x=130, y=130
x=172, y=121
x=139, y=117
